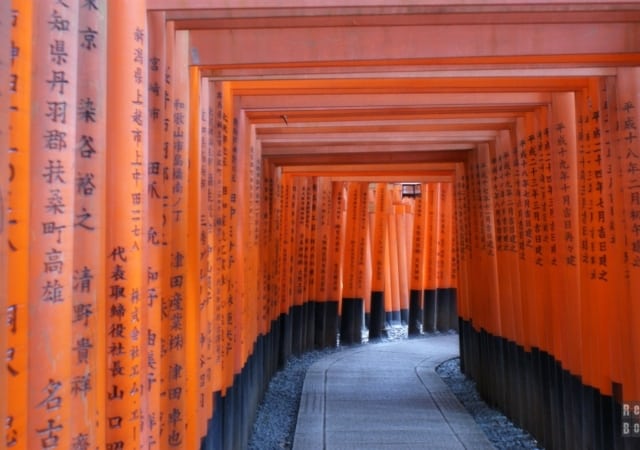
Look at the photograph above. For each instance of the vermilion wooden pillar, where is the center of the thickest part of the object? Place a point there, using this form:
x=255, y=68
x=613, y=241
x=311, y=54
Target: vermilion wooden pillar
x=506, y=237
x=18, y=204
x=363, y=258
x=5, y=65
x=336, y=276
x=393, y=252
x=628, y=146
x=377, y=317
x=564, y=163
x=312, y=268
x=430, y=203
x=613, y=185
x=299, y=263
x=322, y=259
x=52, y=171
x=157, y=238
x=403, y=241
x=444, y=257
x=352, y=303
x=126, y=141
x=415, y=269
x=206, y=352
x=463, y=238
x=89, y=256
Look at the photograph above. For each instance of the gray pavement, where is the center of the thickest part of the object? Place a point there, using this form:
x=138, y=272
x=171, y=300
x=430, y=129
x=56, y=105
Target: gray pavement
x=385, y=396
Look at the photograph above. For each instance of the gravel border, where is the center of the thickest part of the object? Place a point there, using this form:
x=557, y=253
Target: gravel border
x=502, y=433
x=276, y=416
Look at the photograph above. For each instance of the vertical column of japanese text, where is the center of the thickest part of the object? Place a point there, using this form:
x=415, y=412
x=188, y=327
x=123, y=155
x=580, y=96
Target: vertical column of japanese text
x=126, y=152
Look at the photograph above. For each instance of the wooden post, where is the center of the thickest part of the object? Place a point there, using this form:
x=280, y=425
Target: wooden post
x=377, y=318
x=18, y=201
x=52, y=170
x=431, y=196
x=628, y=112
x=194, y=295
x=126, y=142
x=5, y=69
x=89, y=256
x=322, y=259
x=564, y=170
x=350, y=300
x=156, y=237
x=402, y=238
x=338, y=238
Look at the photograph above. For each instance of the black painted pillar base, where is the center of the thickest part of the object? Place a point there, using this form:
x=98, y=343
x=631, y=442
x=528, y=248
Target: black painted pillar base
x=213, y=439
x=538, y=394
x=404, y=316
x=309, y=325
x=297, y=337
x=429, y=311
x=453, y=309
x=331, y=324
x=320, y=318
x=285, y=338
x=377, y=316
x=228, y=420
x=415, y=312
x=351, y=321
x=442, y=310
x=389, y=317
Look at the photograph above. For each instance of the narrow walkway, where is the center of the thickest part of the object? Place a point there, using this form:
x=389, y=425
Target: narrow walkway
x=385, y=396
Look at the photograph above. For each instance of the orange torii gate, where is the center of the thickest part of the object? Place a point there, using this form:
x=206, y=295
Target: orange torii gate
x=187, y=196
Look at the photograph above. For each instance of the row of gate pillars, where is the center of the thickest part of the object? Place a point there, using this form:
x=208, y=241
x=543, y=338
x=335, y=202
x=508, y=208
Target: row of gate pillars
x=317, y=325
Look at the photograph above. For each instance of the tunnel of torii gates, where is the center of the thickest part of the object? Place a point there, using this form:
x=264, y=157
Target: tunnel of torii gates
x=193, y=191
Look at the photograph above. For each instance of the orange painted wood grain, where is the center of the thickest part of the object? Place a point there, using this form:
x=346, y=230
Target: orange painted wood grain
x=628, y=148
x=53, y=124
x=18, y=240
x=338, y=238
x=157, y=249
x=126, y=141
x=418, y=236
x=378, y=233
x=194, y=294
x=613, y=186
x=363, y=260
x=90, y=311
x=5, y=69
x=564, y=162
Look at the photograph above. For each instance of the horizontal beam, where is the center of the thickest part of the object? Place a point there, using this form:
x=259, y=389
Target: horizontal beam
x=373, y=157
x=397, y=178
x=377, y=128
x=326, y=99
x=237, y=47
x=598, y=66
x=430, y=168
x=342, y=7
